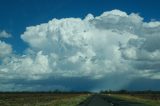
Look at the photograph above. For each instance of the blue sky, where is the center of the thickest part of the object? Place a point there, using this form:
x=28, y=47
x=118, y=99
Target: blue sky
x=93, y=42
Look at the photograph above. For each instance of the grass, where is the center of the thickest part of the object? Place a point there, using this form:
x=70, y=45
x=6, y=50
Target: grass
x=145, y=99
x=74, y=101
x=41, y=99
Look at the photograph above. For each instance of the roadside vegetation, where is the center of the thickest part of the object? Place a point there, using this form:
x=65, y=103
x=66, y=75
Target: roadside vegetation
x=73, y=101
x=138, y=99
x=149, y=98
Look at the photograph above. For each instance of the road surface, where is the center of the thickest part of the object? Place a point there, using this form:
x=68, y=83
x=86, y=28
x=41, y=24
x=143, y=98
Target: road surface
x=100, y=100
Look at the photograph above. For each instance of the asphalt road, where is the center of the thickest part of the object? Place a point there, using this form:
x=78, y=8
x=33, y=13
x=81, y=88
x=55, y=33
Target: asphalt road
x=100, y=100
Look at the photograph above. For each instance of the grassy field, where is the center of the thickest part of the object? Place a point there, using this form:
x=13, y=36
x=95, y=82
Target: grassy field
x=148, y=99
x=38, y=99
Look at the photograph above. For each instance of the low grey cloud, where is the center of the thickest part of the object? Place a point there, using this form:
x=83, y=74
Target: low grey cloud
x=5, y=48
x=4, y=34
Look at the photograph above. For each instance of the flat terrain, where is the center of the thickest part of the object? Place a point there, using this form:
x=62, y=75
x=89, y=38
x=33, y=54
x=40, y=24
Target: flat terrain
x=103, y=100
x=66, y=99
x=41, y=99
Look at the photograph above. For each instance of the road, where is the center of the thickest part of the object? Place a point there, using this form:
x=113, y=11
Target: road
x=100, y=100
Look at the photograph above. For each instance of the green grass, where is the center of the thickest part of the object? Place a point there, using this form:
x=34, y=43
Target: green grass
x=147, y=102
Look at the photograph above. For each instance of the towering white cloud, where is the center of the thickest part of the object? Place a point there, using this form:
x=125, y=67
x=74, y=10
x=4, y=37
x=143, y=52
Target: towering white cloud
x=114, y=43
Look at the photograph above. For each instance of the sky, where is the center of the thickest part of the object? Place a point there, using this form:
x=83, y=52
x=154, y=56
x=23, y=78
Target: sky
x=79, y=45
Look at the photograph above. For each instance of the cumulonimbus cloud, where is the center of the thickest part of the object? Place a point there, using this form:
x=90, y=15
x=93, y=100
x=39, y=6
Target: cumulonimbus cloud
x=93, y=47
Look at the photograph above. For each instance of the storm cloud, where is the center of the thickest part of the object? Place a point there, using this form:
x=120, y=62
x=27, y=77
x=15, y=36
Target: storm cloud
x=94, y=52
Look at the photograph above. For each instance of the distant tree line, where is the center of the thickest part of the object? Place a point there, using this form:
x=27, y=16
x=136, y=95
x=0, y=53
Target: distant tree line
x=57, y=91
x=46, y=92
x=129, y=92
